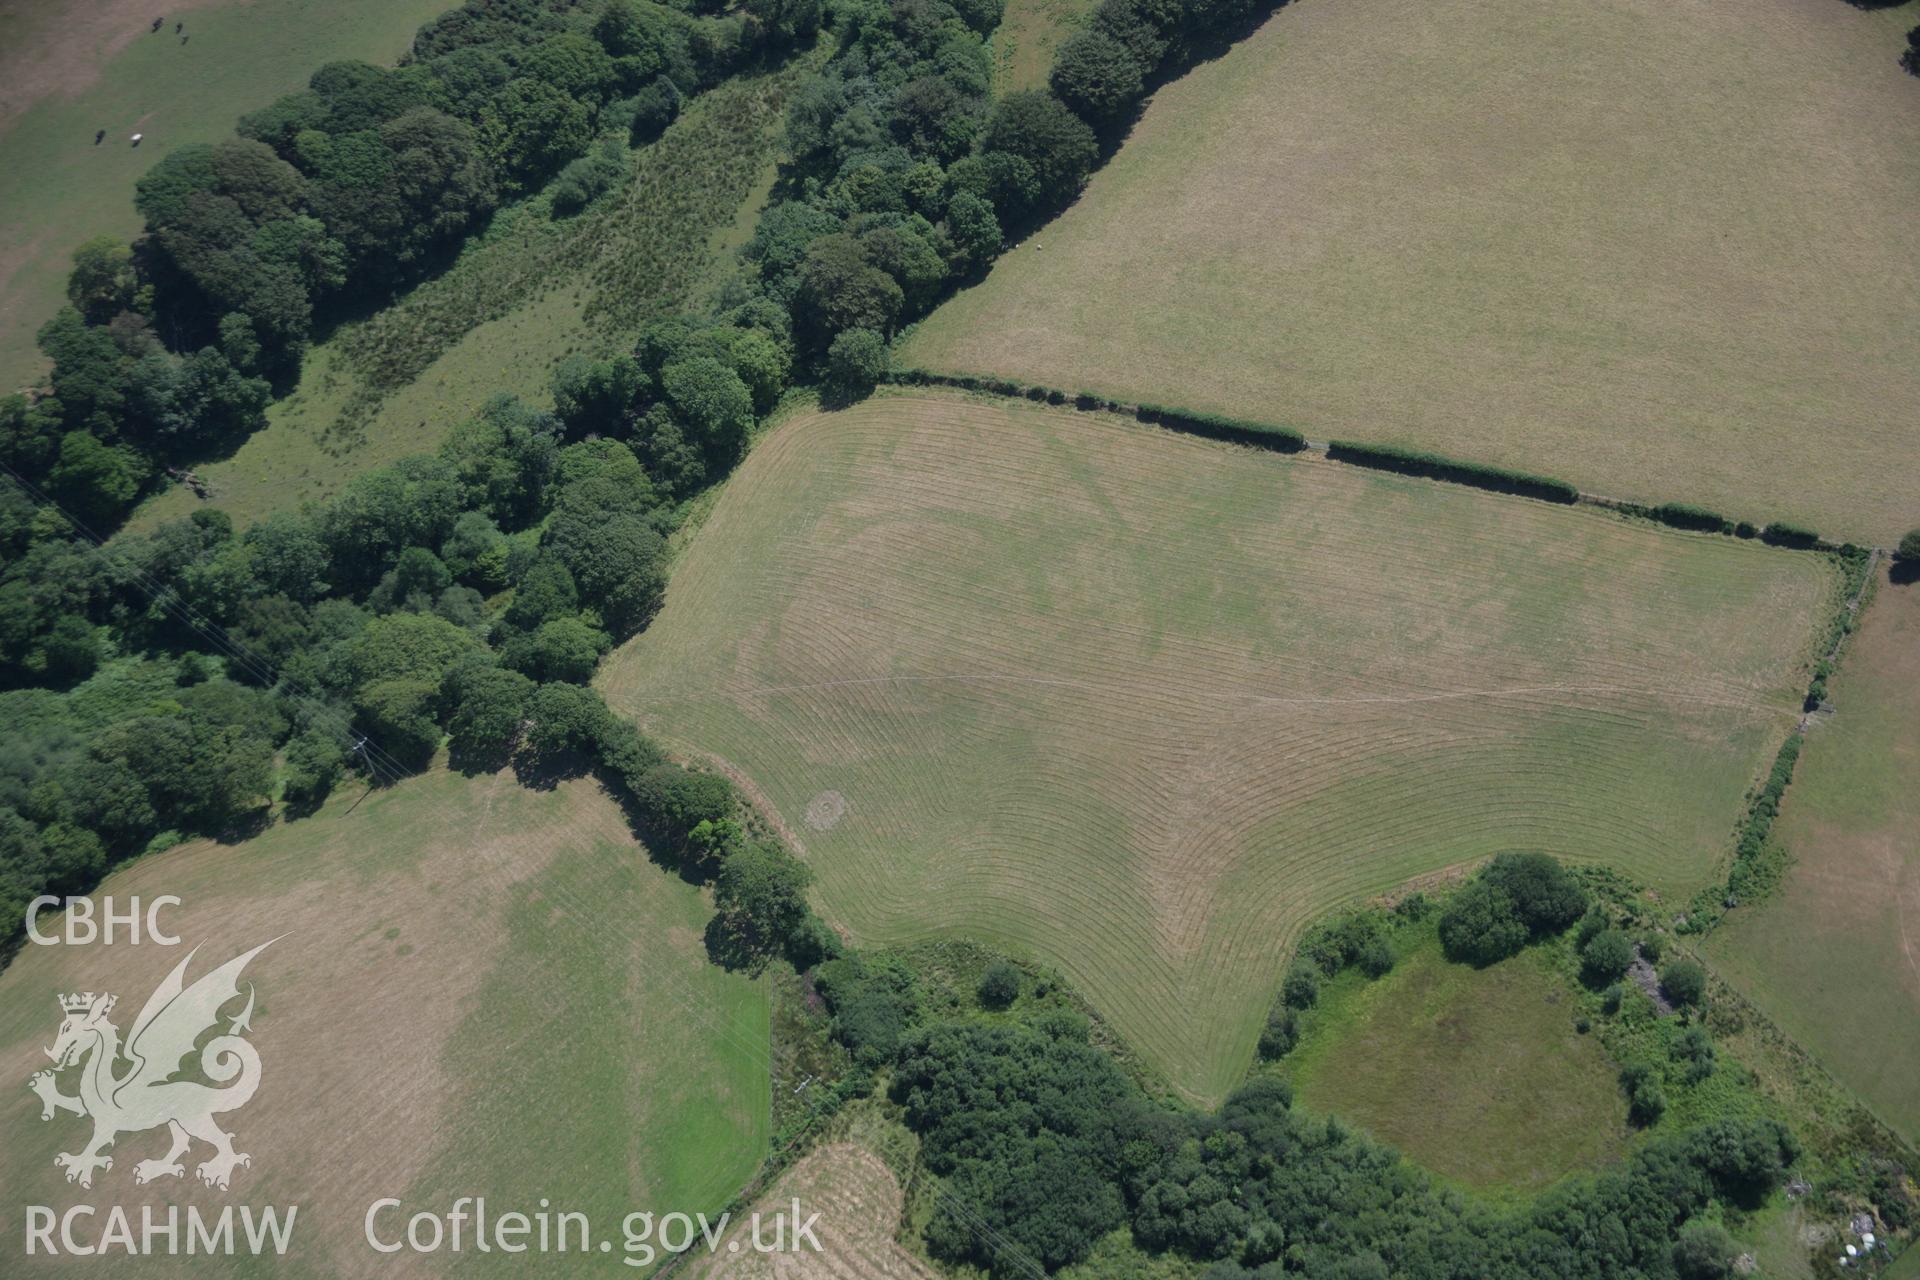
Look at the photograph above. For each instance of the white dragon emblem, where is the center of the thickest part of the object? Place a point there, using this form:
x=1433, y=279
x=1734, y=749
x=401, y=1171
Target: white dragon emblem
x=146, y=1096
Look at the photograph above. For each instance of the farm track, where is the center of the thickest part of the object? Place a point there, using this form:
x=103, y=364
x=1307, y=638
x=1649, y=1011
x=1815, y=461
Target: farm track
x=1147, y=705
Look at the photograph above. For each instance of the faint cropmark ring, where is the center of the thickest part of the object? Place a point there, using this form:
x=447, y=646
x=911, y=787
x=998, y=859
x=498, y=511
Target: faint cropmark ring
x=825, y=810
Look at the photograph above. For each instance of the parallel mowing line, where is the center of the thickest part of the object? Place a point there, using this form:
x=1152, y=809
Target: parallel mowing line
x=1147, y=706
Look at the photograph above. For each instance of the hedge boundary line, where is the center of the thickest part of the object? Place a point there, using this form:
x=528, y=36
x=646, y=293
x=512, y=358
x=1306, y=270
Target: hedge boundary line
x=1748, y=880
x=1212, y=426
x=1400, y=460
x=1855, y=563
x=1686, y=515
x=1434, y=466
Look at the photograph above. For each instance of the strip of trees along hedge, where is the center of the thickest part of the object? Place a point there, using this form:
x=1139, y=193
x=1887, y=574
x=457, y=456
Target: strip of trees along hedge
x=231, y=666
x=1214, y=426
x=1685, y=515
x=1419, y=462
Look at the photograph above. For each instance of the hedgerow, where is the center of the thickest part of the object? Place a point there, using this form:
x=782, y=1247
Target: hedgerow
x=1420, y=462
x=1766, y=803
x=1758, y=861
x=1782, y=534
x=1684, y=515
x=1755, y=867
x=1218, y=427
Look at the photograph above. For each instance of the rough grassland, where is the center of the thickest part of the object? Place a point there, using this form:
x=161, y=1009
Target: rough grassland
x=60, y=189
x=299, y=457
x=1835, y=956
x=1145, y=705
x=1662, y=248
x=530, y=292
x=481, y=990
x=1477, y=1074
x=1029, y=33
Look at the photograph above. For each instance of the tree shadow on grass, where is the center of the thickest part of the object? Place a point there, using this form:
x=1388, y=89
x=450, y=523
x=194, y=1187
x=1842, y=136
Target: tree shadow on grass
x=543, y=771
x=246, y=826
x=663, y=846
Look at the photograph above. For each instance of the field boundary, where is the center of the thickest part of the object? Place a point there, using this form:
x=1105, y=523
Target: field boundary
x=1744, y=881
x=1750, y=877
x=1401, y=460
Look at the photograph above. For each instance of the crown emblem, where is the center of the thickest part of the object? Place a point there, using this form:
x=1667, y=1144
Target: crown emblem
x=80, y=1002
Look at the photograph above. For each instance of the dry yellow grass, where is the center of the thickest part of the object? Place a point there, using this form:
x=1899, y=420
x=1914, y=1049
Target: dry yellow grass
x=1662, y=248
x=481, y=990
x=859, y=1202
x=1146, y=705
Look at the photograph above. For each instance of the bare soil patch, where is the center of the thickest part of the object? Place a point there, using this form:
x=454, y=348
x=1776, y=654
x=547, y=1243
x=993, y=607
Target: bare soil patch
x=825, y=810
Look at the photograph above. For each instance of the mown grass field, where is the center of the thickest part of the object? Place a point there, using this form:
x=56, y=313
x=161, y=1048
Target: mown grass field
x=1477, y=1074
x=859, y=1202
x=530, y=292
x=482, y=990
x=102, y=69
x=1144, y=705
x=1834, y=957
x=1585, y=251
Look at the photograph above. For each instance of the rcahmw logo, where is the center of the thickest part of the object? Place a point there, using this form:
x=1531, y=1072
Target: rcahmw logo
x=162, y=1231
x=145, y=1095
